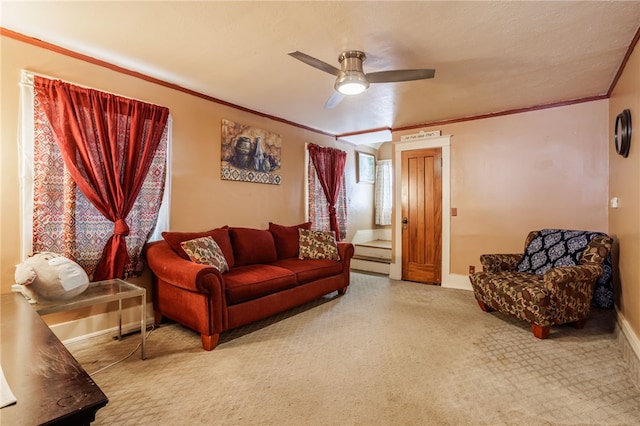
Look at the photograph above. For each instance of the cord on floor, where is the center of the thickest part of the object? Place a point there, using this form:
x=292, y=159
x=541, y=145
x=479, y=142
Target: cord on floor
x=126, y=357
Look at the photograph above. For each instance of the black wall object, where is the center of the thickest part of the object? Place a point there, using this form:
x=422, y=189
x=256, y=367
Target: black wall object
x=622, y=136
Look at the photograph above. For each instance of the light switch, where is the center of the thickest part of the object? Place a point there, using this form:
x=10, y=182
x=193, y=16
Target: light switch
x=614, y=202
x=454, y=211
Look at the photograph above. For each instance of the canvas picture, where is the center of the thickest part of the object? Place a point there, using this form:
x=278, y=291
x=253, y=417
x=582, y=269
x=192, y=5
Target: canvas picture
x=250, y=154
x=366, y=167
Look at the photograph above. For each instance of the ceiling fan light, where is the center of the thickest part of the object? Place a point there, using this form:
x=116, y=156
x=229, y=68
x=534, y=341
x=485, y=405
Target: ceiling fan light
x=352, y=83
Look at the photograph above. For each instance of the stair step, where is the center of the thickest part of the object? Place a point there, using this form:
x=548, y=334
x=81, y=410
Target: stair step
x=383, y=244
x=377, y=251
x=372, y=258
x=373, y=254
x=369, y=266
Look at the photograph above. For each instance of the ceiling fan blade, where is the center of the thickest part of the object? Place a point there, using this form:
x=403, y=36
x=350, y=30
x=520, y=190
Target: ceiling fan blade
x=334, y=100
x=316, y=63
x=400, y=75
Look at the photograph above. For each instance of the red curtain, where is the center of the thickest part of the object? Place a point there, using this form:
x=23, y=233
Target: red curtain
x=329, y=163
x=107, y=144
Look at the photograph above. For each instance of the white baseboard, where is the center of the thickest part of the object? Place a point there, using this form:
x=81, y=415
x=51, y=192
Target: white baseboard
x=458, y=281
x=99, y=324
x=630, y=347
x=628, y=332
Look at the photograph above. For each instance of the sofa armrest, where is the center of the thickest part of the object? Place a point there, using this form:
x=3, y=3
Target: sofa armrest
x=169, y=267
x=500, y=262
x=345, y=250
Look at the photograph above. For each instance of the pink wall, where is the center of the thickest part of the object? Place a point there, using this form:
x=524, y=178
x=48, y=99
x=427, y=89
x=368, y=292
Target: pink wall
x=624, y=183
x=515, y=173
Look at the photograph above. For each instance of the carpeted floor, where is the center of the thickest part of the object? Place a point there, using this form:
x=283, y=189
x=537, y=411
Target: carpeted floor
x=387, y=353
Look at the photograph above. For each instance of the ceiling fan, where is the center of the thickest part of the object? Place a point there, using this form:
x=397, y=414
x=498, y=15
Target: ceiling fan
x=351, y=79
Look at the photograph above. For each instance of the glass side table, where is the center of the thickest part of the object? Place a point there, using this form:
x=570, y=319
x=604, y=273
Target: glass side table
x=102, y=292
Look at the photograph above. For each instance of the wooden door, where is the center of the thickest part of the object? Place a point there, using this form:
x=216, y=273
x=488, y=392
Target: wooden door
x=422, y=215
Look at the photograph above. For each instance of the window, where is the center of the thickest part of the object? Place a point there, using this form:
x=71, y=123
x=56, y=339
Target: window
x=383, y=195
x=58, y=217
x=318, y=206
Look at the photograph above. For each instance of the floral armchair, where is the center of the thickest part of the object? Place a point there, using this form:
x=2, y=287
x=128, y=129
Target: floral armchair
x=551, y=283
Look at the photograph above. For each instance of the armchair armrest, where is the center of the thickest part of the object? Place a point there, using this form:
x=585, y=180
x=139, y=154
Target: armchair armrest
x=500, y=262
x=587, y=273
x=572, y=286
x=169, y=267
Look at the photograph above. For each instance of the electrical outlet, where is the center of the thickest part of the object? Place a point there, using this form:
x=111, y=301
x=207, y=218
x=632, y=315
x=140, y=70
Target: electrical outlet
x=472, y=269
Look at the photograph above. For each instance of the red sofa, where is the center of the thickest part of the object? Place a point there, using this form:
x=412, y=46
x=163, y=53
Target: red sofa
x=265, y=277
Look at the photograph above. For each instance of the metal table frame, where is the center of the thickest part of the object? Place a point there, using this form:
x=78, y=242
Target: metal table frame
x=103, y=292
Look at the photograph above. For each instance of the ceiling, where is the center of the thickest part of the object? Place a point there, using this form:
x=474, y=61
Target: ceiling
x=489, y=56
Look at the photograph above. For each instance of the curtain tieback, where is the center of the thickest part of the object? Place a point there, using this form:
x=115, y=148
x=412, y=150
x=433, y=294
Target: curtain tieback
x=332, y=211
x=120, y=227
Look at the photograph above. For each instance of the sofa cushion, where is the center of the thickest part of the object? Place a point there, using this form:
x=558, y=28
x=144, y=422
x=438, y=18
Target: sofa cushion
x=252, y=246
x=219, y=235
x=317, y=245
x=308, y=270
x=252, y=281
x=287, y=239
x=205, y=250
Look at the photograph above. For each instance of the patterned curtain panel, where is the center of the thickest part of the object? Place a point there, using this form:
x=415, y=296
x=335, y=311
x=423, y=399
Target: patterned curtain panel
x=383, y=197
x=66, y=222
x=329, y=164
x=319, y=207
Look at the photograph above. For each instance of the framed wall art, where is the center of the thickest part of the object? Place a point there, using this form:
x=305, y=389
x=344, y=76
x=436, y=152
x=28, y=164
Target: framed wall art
x=249, y=154
x=365, y=167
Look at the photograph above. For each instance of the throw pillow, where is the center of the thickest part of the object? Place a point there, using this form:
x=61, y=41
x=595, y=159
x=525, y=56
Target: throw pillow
x=219, y=235
x=553, y=248
x=205, y=251
x=252, y=246
x=317, y=245
x=287, y=239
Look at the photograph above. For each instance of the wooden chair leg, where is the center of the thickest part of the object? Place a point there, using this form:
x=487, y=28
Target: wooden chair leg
x=209, y=342
x=579, y=324
x=540, y=332
x=484, y=306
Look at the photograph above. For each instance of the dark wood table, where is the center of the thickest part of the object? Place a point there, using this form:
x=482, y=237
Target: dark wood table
x=50, y=386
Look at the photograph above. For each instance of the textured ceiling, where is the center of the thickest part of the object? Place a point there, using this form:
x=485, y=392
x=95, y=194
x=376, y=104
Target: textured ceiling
x=489, y=56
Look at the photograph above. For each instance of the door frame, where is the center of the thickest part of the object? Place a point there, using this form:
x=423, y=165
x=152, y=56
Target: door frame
x=444, y=143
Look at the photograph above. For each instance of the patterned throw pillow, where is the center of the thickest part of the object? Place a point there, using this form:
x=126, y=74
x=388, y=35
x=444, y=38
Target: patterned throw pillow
x=205, y=251
x=554, y=248
x=317, y=245
x=219, y=235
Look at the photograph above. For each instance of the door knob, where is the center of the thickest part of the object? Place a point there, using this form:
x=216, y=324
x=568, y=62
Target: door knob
x=405, y=221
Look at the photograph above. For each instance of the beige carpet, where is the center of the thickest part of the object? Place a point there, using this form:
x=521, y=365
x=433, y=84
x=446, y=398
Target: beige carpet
x=386, y=353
